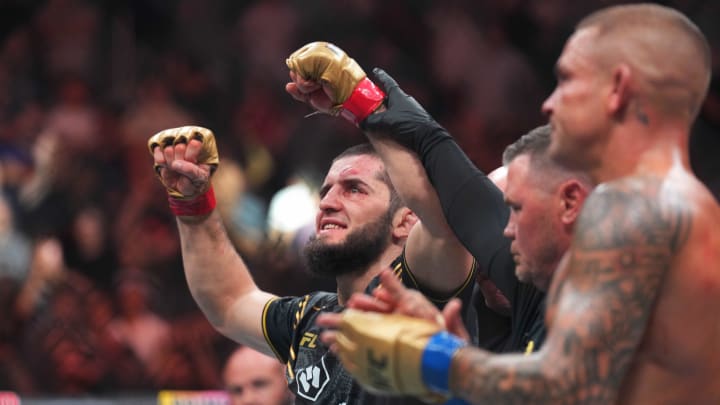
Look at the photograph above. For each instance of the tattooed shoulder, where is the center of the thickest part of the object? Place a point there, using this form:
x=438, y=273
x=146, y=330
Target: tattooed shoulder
x=631, y=212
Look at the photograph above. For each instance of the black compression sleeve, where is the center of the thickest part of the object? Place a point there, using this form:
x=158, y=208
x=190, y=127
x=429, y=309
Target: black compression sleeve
x=473, y=206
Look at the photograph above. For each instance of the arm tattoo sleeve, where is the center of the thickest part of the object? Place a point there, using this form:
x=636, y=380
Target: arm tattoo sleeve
x=624, y=243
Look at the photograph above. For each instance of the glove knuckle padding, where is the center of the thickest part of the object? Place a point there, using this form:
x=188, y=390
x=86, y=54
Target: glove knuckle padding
x=323, y=61
x=388, y=350
x=173, y=136
x=169, y=137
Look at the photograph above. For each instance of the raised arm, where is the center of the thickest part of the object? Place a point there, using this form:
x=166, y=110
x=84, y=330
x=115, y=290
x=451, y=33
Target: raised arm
x=435, y=256
x=218, y=278
x=326, y=78
x=471, y=204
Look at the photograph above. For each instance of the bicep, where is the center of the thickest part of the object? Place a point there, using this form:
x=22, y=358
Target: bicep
x=439, y=263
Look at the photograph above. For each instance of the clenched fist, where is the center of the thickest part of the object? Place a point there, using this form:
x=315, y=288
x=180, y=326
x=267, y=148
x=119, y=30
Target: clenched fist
x=185, y=158
x=325, y=77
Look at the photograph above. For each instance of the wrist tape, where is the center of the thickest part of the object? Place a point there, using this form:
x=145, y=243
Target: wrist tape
x=364, y=99
x=436, y=360
x=201, y=205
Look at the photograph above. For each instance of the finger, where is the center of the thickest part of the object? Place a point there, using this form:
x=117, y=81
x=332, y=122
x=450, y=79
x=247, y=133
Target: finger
x=292, y=89
x=169, y=154
x=367, y=303
x=385, y=80
x=194, y=147
x=195, y=173
x=328, y=90
x=158, y=156
x=453, y=319
x=179, y=151
x=329, y=320
x=328, y=337
x=307, y=86
x=320, y=101
x=416, y=305
x=386, y=297
x=392, y=285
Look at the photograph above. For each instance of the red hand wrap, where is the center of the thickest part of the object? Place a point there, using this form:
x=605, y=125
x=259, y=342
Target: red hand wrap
x=364, y=99
x=201, y=205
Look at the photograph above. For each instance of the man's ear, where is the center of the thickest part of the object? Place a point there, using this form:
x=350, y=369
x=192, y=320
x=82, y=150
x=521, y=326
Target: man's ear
x=572, y=195
x=620, y=93
x=402, y=223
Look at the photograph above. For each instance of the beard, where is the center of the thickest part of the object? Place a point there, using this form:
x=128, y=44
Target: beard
x=361, y=248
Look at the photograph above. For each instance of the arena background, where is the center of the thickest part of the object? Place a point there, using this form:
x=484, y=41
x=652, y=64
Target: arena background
x=93, y=300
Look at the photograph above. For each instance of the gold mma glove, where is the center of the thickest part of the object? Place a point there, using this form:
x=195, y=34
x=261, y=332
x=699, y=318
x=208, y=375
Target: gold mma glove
x=387, y=353
x=202, y=202
x=354, y=95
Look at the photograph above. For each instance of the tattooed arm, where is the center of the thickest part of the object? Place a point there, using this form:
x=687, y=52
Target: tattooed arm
x=624, y=243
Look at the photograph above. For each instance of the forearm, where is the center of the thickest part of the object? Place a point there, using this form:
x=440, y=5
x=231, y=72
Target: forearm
x=482, y=378
x=472, y=205
x=437, y=260
x=411, y=182
x=216, y=274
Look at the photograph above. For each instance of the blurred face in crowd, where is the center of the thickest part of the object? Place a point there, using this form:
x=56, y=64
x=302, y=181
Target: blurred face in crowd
x=354, y=224
x=252, y=378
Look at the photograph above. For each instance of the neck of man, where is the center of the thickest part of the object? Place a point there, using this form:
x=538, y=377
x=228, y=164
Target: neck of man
x=639, y=149
x=357, y=282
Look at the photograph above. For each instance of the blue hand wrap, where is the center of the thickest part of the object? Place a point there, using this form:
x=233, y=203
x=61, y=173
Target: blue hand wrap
x=436, y=359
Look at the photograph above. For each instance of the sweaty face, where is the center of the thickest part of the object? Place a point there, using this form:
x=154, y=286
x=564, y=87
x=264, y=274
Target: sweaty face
x=354, y=225
x=533, y=226
x=575, y=109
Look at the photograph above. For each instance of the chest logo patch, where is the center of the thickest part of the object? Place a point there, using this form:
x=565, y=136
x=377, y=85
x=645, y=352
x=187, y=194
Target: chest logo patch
x=312, y=380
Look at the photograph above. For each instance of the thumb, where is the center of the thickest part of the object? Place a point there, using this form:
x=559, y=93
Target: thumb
x=385, y=81
x=453, y=319
x=190, y=170
x=392, y=286
x=375, y=122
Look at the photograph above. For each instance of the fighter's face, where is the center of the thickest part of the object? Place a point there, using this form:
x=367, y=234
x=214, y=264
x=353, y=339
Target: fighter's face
x=576, y=107
x=354, y=225
x=533, y=226
x=352, y=195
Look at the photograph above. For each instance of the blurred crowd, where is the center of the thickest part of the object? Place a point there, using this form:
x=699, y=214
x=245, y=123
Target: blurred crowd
x=92, y=293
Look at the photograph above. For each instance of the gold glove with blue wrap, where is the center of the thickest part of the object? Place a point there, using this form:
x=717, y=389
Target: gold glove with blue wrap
x=396, y=354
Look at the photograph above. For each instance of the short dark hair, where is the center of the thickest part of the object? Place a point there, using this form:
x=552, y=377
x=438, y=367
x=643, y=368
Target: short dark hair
x=536, y=145
x=533, y=143
x=367, y=149
x=355, y=150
